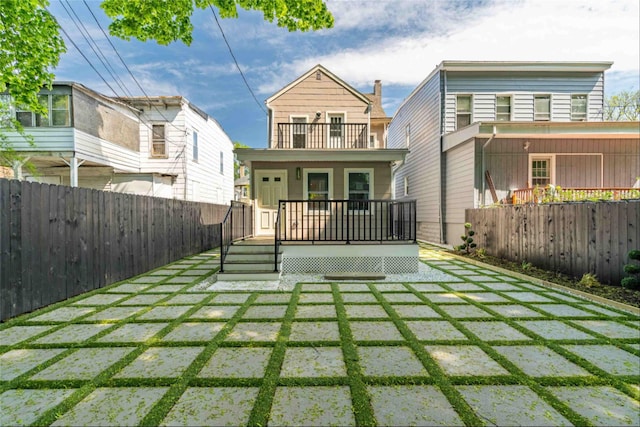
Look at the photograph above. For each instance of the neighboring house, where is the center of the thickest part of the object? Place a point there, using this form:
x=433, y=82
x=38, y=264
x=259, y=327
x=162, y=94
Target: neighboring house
x=481, y=133
x=148, y=146
x=327, y=158
x=241, y=185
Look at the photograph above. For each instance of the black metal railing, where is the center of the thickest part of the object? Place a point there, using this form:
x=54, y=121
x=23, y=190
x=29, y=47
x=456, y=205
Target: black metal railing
x=236, y=225
x=346, y=221
x=276, y=242
x=322, y=135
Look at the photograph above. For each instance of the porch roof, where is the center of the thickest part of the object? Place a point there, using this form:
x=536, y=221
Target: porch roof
x=299, y=155
x=543, y=130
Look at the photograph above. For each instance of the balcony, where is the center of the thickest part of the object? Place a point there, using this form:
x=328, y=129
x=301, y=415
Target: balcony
x=332, y=136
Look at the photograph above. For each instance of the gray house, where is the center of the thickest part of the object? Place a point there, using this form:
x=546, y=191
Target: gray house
x=481, y=133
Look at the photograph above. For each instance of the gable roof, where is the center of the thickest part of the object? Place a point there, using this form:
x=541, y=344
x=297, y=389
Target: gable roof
x=329, y=74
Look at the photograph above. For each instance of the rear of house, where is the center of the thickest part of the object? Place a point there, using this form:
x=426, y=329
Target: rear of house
x=491, y=132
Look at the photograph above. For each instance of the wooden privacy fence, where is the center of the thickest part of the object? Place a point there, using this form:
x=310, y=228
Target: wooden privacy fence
x=57, y=242
x=572, y=238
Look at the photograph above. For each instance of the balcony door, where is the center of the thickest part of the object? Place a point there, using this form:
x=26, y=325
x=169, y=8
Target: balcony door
x=271, y=187
x=336, y=130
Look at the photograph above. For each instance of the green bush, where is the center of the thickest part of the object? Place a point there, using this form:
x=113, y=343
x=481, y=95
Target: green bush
x=589, y=280
x=467, y=240
x=632, y=281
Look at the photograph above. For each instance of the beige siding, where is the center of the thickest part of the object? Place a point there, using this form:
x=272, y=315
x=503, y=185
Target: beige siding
x=381, y=176
x=310, y=96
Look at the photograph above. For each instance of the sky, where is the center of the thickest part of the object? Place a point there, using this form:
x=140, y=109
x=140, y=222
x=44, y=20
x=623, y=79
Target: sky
x=397, y=41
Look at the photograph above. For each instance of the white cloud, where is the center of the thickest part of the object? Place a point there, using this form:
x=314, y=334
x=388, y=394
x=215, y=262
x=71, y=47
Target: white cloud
x=536, y=30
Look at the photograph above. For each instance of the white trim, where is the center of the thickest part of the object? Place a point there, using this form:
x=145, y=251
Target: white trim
x=407, y=135
x=552, y=165
x=586, y=107
x=550, y=106
x=370, y=171
x=305, y=181
x=406, y=186
x=327, y=119
x=471, y=105
x=498, y=95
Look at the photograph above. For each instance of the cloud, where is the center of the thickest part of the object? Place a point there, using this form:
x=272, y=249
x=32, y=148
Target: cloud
x=528, y=30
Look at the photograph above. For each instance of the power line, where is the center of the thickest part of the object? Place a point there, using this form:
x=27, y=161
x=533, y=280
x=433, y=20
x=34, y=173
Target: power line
x=236, y=61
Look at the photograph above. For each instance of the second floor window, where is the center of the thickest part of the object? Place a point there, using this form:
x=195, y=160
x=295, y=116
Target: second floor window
x=463, y=111
x=221, y=163
x=58, y=112
x=158, y=141
x=542, y=107
x=578, y=107
x=503, y=108
x=195, y=146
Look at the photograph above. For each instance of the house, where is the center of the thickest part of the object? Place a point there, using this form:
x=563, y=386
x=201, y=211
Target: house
x=325, y=179
x=481, y=133
x=160, y=146
x=241, y=185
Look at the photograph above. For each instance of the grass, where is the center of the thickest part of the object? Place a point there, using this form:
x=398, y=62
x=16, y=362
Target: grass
x=387, y=298
x=591, y=286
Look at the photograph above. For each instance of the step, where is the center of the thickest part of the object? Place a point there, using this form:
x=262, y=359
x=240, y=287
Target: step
x=254, y=257
x=248, y=249
x=256, y=275
x=247, y=266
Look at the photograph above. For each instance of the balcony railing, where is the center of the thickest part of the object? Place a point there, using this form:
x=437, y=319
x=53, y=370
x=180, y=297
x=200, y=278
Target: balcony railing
x=322, y=135
x=346, y=221
x=557, y=194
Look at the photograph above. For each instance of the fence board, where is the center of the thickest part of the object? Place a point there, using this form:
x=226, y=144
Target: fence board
x=57, y=242
x=574, y=238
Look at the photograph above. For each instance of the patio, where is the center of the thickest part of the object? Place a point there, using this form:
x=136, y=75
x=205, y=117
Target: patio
x=467, y=345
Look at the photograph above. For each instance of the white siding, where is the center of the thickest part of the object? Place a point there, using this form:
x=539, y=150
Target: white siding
x=92, y=148
x=459, y=188
x=522, y=86
x=421, y=111
x=45, y=139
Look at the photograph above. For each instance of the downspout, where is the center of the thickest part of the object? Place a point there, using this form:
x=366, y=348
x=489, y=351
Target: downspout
x=483, y=164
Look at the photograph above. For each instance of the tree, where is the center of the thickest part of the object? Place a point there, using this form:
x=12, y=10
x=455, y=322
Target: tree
x=236, y=163
x=31, y=45
x=623, y=106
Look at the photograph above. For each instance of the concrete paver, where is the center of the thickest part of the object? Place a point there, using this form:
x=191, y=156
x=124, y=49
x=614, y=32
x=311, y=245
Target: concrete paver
x=328, y=360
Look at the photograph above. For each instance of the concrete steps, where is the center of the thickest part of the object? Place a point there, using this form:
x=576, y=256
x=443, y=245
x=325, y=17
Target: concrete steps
x=247, y=261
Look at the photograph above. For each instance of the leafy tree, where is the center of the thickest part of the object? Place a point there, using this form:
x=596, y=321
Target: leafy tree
x=236, y=163
x=31, y=45
x=623, y=106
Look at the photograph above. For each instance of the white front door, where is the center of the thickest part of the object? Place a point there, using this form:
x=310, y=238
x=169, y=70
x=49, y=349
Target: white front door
x=271, y=187
x=336, y=130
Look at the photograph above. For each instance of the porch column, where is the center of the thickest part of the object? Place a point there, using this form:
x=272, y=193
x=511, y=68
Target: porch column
x=73, y=165
x=17, y=169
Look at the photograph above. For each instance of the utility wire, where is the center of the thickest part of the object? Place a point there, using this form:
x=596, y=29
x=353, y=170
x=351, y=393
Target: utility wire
x=128, y=69
x=235, y=60
x=92, y=48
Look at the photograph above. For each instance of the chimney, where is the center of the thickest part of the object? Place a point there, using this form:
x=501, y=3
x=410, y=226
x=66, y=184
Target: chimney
x=377, y=88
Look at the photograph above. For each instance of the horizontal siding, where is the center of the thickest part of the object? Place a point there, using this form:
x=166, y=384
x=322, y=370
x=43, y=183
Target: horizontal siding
x=310, y=96
x=45, y=139
x=381, y=176
x=459, y=188
x=485, y=87
x=107, y=153
x=422, y=165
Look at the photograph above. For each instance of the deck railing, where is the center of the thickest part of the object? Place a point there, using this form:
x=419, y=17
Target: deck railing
x=346, y=221
x=322, y=135
x=237, y=224
x=551, y=194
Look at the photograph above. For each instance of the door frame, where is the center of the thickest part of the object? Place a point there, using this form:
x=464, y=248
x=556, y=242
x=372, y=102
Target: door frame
x=258, y=174
x=330, y=114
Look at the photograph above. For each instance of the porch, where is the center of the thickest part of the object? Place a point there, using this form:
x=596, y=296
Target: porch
x=550, y=194
x=322, y=135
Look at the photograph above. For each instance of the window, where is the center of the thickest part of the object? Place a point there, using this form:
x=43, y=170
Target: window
x=318, y=184
x=358, y=186
x=195, y=146
x=463, y=111
x=158, y=142
x=542, y=107
x=578, y=107
x=58, y=109
x=503, y=108
x=407, y=136
x=299, y=132
x=540, y=172
x=406, y=186
x=372, y=141
x=5, y=110
x=221, y=163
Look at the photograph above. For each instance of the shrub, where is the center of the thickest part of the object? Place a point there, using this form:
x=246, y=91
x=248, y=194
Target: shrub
x=632, y=281
x=526, y=266
x=589, y=280
x=467, y=240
